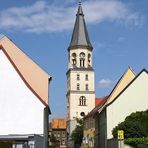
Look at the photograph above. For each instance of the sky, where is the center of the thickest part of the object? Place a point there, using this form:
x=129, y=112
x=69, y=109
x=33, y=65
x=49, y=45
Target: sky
x=118, y=30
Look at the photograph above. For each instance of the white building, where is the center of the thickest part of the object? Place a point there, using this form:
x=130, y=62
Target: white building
x=80, y=74
x=24, y=94
x=132, y=97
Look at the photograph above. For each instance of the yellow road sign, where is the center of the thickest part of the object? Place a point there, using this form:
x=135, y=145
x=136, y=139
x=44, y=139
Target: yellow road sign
x=120, y=135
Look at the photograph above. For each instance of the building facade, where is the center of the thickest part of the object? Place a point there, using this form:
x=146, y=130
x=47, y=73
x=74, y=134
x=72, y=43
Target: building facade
x=58, y=129
x=80, y=74
x=128, y=96
x=24, y=94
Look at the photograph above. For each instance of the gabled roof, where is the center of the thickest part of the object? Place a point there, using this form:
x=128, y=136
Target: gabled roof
x=80, y=36
x=33, y=76
x=125, y=79
x=97, y=107
x=98, y=101
x=58, y=123
x=142, y=71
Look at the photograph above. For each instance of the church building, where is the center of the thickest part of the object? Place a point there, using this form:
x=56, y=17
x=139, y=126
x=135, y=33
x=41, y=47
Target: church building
x=80, y=74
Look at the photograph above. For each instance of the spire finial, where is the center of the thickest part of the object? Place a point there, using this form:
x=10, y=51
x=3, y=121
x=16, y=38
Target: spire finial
x=80, y=2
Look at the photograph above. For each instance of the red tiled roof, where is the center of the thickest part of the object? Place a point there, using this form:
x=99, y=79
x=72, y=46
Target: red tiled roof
x=98, y=106
x=98, y=101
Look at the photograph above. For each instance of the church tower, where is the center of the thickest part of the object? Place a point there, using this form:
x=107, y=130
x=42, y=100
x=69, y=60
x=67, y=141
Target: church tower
x=80, y=74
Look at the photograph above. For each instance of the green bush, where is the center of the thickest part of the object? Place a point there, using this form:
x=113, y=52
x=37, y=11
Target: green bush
x=5, y=144
x=77, y=134
x=137, y=142
x=134, y=126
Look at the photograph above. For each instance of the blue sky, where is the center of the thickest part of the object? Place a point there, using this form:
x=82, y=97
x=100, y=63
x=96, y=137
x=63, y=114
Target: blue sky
x=42, y=29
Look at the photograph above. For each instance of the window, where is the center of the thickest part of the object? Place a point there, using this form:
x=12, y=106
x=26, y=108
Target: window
x=58, y=134
x=82, y=101
x=86, y=77
x=74, y=61
x=86, y=87
x=63, y=142
x=74, y=58
x=74, y=55
x=89, y=57
x=82, y=114
x=78, y=77
x=63, y=134
x=78, y=86
x=82, y=59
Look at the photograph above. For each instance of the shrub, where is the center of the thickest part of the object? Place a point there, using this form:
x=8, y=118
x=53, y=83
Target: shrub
x=137, y=142
x=134, y=126
x=5, y=144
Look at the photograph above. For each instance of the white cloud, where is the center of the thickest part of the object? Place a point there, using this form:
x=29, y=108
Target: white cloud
x=105, y=83
x=42, y=17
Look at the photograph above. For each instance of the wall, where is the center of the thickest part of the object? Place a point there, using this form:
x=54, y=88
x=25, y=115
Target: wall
x=21, y=112
x=76, y=109
x=102, y=130
x=134, y=98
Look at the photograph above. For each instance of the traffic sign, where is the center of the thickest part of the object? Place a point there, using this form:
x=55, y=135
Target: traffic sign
x=120, y=135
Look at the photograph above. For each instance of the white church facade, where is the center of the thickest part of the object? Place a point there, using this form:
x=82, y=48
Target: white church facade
x=24, y=94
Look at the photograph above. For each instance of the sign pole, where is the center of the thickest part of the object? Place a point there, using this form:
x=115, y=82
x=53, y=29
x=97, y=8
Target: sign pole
x=120, y=134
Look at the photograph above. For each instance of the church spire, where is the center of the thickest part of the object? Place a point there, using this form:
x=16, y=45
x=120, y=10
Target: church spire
x=80, y=36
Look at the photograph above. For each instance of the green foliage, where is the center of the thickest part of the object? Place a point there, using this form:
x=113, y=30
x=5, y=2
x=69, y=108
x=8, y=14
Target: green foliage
x=134, y=126
x=5, y=144
x=52, y=140
x=77, y=134
x=137, y=142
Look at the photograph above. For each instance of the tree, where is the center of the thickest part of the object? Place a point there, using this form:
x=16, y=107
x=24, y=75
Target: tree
x=52, y=139
x=134, y=126
x=77, y=134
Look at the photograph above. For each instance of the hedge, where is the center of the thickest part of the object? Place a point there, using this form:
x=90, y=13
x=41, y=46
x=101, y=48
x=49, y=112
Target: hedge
x=137, y=142
x=5, y=144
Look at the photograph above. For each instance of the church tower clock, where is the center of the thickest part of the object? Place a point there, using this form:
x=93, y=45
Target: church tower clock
x=80, y=74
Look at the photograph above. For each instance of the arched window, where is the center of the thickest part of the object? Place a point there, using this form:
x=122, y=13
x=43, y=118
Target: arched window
x=78, y=86
x=89, y=59
x=86, y=77
x=82, y=101
x=78, y=77
x=86, y=87
x=74, y=58
x=82, y=59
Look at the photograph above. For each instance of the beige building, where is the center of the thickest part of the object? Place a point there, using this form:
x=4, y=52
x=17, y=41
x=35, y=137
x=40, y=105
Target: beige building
x=80, y=74
x=58, y=129
x=24, y=91
x=129, y=95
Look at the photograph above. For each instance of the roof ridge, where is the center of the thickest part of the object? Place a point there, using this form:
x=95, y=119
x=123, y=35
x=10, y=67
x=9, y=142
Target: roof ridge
x=25, y=54
x=24, y=65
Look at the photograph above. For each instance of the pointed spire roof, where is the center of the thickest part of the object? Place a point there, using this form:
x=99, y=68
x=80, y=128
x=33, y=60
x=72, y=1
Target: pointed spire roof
x=80, y=36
